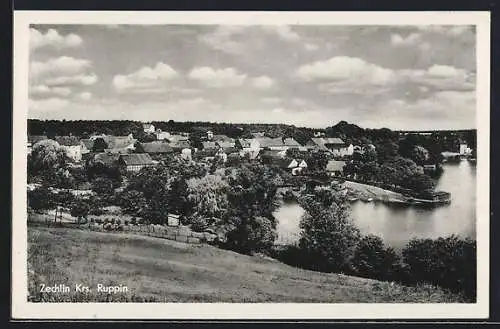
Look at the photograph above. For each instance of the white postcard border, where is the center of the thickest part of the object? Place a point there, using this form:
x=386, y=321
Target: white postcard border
x=21, y=309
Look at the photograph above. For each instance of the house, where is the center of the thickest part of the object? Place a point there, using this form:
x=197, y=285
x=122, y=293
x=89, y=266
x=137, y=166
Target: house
x=156, y=148
x=247, y=147
x=319, y=134
x=162, y=135
x=295, y=166
x=106, y=159
x=120, y=142
x=210, y=135
x=210, y=145
x=186, y=154
x=223, y=138
x=180, y=145
x=148, y=128
x=71, y=146
x=281, y=144
x=333, y=145
x=335, y=168
x=464, y=149
x=86, y=145
x=135, y=162
x=259, y=134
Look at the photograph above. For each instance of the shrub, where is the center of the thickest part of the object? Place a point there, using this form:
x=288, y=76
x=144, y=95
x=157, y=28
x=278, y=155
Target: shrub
x=118, y=221
x=133, y=221
x=108, y=226
x=197, y=223
x=448, y=262
x=373, y=260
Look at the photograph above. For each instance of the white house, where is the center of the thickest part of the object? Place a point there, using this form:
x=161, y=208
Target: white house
x=464, y=149
x=186, y=154
x=148, y=128
x=161, y=135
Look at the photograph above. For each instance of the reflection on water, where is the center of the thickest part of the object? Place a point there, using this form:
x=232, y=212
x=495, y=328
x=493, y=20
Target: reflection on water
x=397, y=224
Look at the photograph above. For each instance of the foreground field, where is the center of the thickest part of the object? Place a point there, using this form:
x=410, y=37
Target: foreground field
x=168, y=271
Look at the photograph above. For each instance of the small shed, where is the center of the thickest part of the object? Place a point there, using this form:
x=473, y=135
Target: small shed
x=173, y=220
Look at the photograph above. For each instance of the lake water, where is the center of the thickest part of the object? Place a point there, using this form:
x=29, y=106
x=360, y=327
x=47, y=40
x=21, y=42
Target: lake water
x=397, y=224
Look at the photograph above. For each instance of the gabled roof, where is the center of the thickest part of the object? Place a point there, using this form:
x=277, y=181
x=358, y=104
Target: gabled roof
x=89, y=143
x=174, y=138
x=225, y=144
x=136, y=159
x=106, y=158
x=209, y=145
x=67, y=140
x=322, y=142
x=222, y=138
x=334, y=165
x=244, y=142
x=180, y=144
x=147, y=125
x=156, y=147
x=274, y=142
x=36, y=138
x=116, y=142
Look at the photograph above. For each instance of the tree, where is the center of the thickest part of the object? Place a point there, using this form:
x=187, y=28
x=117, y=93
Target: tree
x=373, y=260
x=80, y=210
x=103, y=186
x=208, y=195
x=132, y=202
x=249, y=224
x=99, y=145
x=420, y=183
x=386, y=150
x=448, y=262
x=46, y=159
x=328, y=235
x=41, y=199
x=419, y=155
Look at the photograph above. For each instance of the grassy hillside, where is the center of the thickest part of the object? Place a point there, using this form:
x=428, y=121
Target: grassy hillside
x=168, y=271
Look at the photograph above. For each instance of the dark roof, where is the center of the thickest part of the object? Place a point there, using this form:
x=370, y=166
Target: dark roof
x=334, y=165
x=181, y=144
x=322, y=142
x=273, y=142
x=136, y=159
x=209, y=145
x=36, y=138
x=67, y=140
x=222, y=138
x=106, y=158
x=156, y=147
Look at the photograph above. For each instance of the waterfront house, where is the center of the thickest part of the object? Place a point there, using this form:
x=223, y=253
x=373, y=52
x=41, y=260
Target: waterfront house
x=135, y=162
x=335, y=168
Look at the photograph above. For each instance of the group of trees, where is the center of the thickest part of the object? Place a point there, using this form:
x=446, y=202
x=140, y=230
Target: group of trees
x=330, y=242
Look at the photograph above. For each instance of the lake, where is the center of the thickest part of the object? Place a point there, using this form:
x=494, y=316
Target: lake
x=397, y=224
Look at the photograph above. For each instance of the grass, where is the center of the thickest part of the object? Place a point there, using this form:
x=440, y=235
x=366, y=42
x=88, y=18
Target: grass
x=159, y=270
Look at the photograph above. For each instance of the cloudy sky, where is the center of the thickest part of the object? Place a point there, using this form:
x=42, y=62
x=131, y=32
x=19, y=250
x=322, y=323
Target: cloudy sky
x=419, y=77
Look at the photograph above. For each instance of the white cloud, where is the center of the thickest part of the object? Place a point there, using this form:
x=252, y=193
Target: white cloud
x=311, y=47
x=262, y=82
x=44, y=90
x=80, y=79
x=221, y=39
x=217, y=78
x=452, y=30
x=278, y=110
x=440, y=77
x=343, y=69
x=409, y=40
x=285, y=32
x=146, y=79
x=63, y=65
x=85, y=96
x=54, y=39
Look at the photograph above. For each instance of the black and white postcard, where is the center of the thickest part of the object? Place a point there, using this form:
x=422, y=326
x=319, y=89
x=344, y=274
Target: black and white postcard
x=251, y=165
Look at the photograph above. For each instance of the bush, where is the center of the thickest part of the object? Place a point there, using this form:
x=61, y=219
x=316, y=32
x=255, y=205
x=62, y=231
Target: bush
x=448, y=262
x=118, y=221
x=133, y=221
x=373, y=260
x=197, y=223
